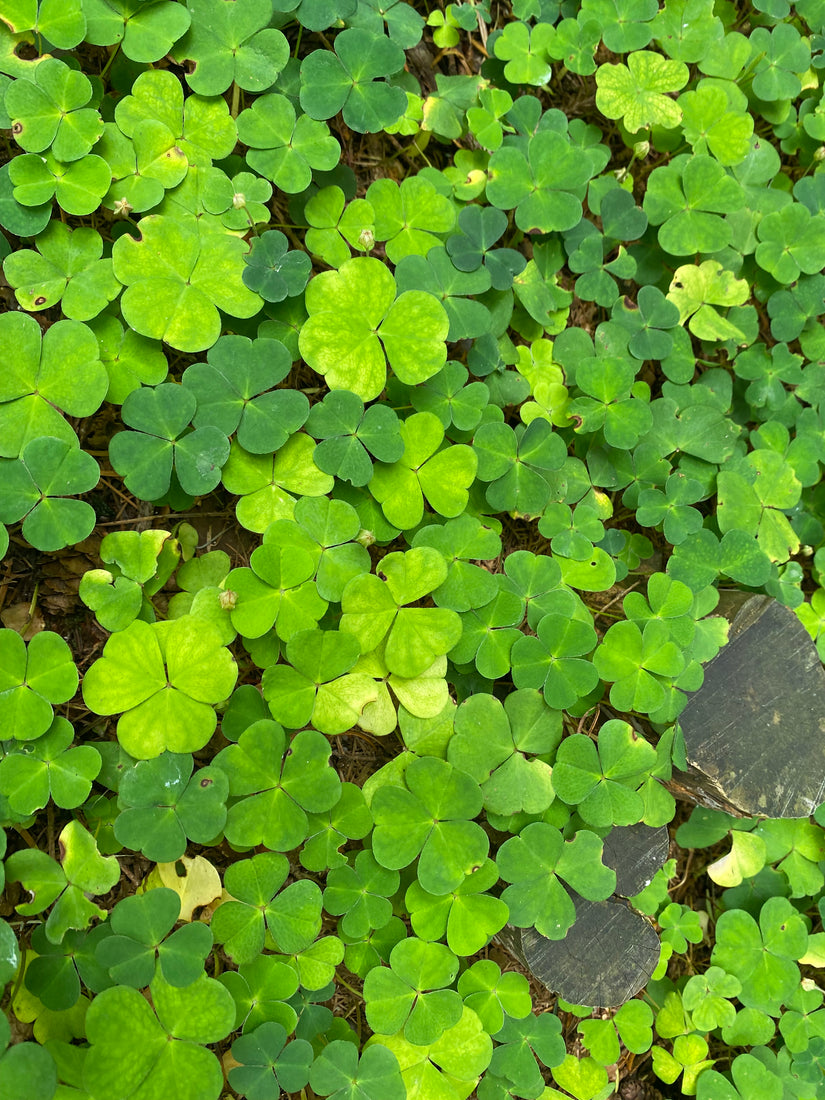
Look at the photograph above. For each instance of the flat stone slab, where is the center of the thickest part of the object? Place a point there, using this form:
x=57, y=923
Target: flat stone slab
x=605, y=959
x=611, y=950
x=755, y=731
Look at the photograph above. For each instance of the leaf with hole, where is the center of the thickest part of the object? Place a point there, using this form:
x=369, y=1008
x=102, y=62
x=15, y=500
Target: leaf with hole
x=231, y=43
x=162, y=805
x=468, y=916
x=50, y=111
x=276, y=785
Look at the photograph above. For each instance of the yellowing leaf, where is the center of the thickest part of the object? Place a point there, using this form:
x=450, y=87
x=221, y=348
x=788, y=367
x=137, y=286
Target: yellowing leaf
x=745, y=858
x=195, y=880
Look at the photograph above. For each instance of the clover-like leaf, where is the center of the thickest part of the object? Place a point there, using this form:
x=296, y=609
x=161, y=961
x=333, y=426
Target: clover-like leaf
x=468, y=916
x=791, y=241
x=356, y=323
x=460, y=1055
x=177, y=276
x=556, y=660
x=63, y=25
x=603, y=782
x=515, y=461
x=160, y=442
x=489, y=632
x=165, y=679
x=411, y=217
x=267, y=1063
x=411, y=993
x=131, y=1048
x=162, y=805
x=491, y=994
x=526, y=51
x=337, y=225
x=231, y=42
x=687, y=199
x=711, y=124
x=235, y=393
x=274, y=272
x=374, y=610
x=240, y=202
x=285, y=148
x=49, y=767
x=67, y=267
x=145, y=31
x=522, y=1044
x=762, y=955
x=51, y=111
x=142, y=167
x=130, y=360
x=84, y=873
x=38, y=488
x=201, y=128
x=41, y=377
x=545, y=184
x=142, y=939
x=347, y=81
x=278, y=590
x=696, y=290
x=261, y=989
x=32, y=681
x=462, y=541
x=431, y=816
x=536, y=861
x=341, y=1074
x=638, y=662
x=502, y=747
x=266, y=482
x=360, y=895
x=316, y=686
x=437, y=275
x=349, y=434
x=426, y=469
x=78, y=186
x=637, y=92
x=781, y=54
x=276, y=785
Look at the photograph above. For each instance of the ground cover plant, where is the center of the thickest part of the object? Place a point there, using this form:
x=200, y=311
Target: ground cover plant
x=388, y=395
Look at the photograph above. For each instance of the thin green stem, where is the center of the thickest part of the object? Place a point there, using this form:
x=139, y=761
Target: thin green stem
x=108, y=64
